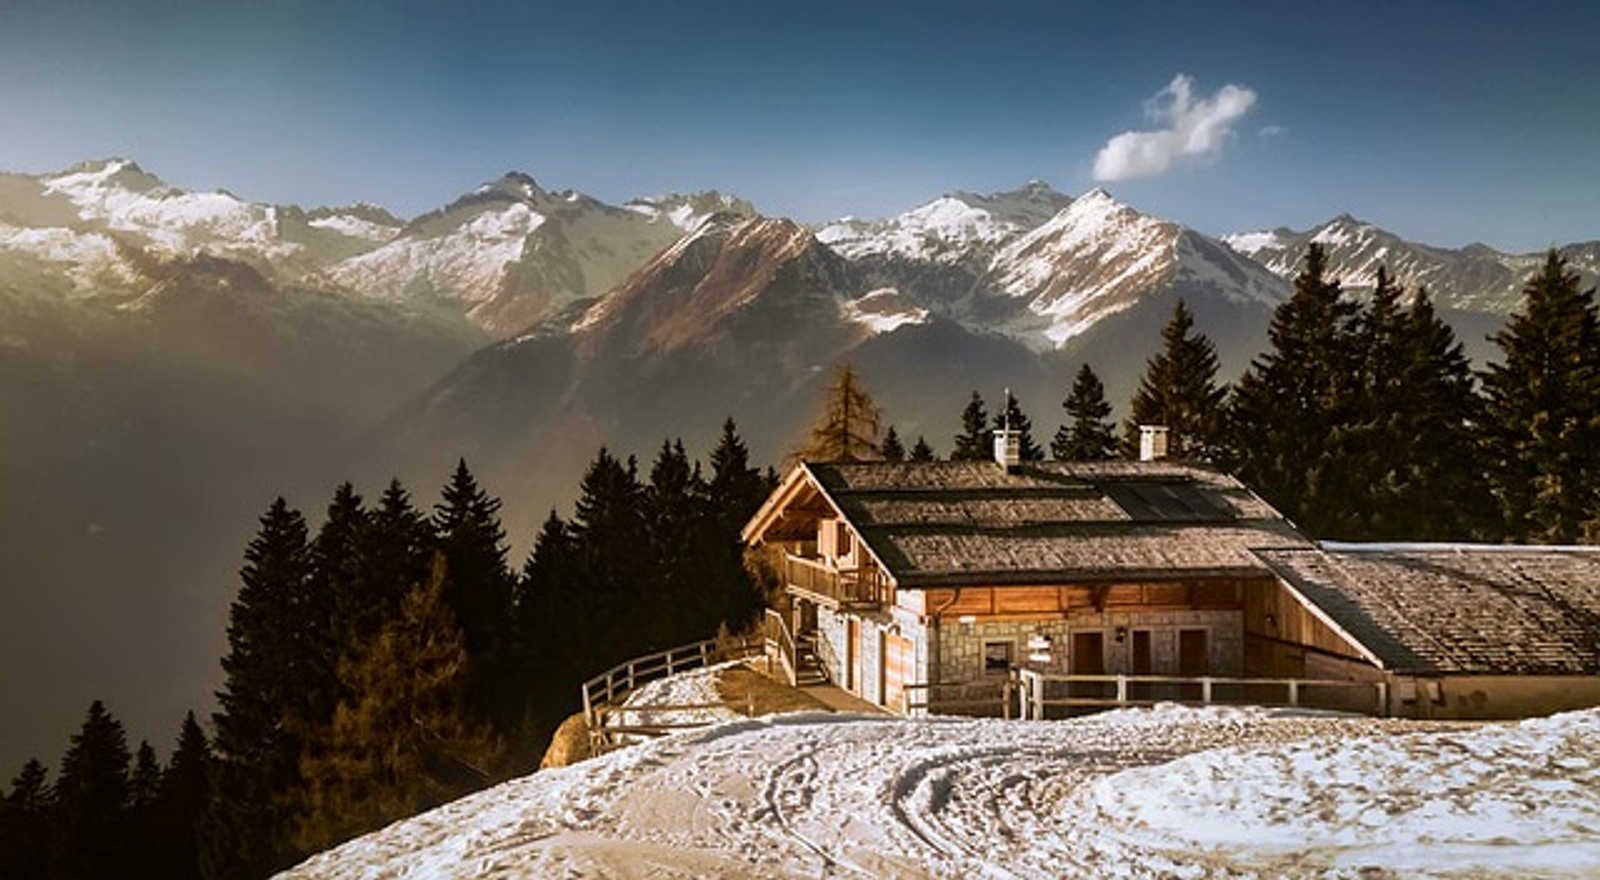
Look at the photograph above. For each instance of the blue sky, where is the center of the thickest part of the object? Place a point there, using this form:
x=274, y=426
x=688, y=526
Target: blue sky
x=1447, y=123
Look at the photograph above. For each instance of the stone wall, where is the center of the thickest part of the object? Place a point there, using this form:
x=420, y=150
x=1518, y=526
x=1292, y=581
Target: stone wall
x=961, y=645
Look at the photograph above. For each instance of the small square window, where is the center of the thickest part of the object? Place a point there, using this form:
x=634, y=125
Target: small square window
x=996, y=658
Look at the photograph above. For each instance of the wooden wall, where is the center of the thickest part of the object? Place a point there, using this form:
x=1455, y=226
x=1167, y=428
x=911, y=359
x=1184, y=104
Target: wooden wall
x=1003, y=602
x=1283, y=638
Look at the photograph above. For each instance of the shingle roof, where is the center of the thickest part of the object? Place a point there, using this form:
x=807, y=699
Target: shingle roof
x=972, y=522
x=1457, y=608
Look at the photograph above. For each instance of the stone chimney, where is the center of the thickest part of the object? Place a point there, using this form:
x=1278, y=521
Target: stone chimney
x=1008, y=449
x=1152, y=442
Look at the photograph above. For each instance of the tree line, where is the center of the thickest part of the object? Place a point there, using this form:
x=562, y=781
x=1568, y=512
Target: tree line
x=1363, y=421
x=392, y=660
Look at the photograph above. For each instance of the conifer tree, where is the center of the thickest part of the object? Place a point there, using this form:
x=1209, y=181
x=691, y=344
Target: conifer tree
x=1293, y=397
x=144, y=850
x=973, y=443
x=891, y=448
x=1542, y=423
x=606, y=528
x=405, y=740
x=25, y=823
x=1088, y=435
x=477, y=588
x=921, y=451
x=1012, y=415
x=549, y=626
x=396, y=551
x=258, y=754
x=338, y=568
x=736, y=488
x=1180, y=390
x=677, y=515
x=91, y=798
x=847, y=429
x=182, y=802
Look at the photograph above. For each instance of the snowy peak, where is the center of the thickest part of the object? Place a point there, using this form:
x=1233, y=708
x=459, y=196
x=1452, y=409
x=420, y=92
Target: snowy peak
x=687, y=211
x=1474, y=278
x=1098, y=257
x=955, y=228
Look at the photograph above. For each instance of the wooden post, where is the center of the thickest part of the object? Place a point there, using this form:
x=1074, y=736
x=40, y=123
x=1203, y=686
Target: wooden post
x=1294, y=692
x=1037, y=685
x=1122, y=688
x=1383, y=699
x=630, y=675
x=1005, y=699
x=669, y=662
x=1205, y=689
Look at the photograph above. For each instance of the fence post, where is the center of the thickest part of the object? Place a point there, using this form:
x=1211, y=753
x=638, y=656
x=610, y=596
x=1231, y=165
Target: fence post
x=630, y=675
x=1005, y=699
x=1205, y=689
x=1038, y=697
x=1122, y=688
x=703, y=660
x=669, y=662
x=1383, y=699
x=1294, y=692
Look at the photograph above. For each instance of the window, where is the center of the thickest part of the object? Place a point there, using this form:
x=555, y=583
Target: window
x=845, y=545
x=996, y=658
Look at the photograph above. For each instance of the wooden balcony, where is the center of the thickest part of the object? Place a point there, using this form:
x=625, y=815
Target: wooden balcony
x=814, y=579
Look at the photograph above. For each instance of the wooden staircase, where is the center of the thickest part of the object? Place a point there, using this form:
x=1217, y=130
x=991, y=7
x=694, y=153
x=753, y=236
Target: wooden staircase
x=808, y=668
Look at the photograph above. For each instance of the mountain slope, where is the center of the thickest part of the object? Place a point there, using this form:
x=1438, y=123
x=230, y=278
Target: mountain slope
x=511, y=254
x=1476, y=278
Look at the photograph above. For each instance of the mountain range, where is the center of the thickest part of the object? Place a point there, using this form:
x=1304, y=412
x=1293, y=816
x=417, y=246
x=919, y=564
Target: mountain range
x=170, y=360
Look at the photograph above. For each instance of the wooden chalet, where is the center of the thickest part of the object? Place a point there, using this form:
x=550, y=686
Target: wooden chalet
x=922, y=585
x=930, y=586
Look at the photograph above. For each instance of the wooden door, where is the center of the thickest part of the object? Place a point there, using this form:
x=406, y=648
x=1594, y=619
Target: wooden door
x=852, y=652
x=897, y=654
x=1143, y=656
x=1194, y=659
x=1088, y=653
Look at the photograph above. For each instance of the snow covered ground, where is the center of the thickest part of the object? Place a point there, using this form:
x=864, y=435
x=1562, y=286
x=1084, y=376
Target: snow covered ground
x=697, y=688
x=1164, y=792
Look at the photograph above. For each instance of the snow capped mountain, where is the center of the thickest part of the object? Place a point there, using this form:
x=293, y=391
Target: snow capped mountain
x=512, y=254
x=953, y=228
x=1475, y=278
x=688, y=211
x=1098, y=257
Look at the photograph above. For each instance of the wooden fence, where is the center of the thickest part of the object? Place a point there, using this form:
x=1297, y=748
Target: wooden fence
x=604, y=695
x=1034, y=695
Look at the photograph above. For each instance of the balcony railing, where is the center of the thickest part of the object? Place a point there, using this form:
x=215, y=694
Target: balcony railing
x=863, y=586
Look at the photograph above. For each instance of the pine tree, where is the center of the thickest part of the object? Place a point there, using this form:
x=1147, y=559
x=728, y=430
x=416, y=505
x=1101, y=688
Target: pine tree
x=1542, y=424
x=606, y=528
x=1088, y=436
x=182, y=802
x=676, y=516
x=891, y=448
x=335, y=600
x=25, y=823
x=973, y=443
x=548, y=605
x=144, y=850
x=397, y=547
x=478, y=588
x=258, y=754
x=91, y=839
x=847, y=429
x=736, y=488
x=1027, y=450
x=1180, y=390
x=1295, y=396
x=921, y=451
x=405, y=740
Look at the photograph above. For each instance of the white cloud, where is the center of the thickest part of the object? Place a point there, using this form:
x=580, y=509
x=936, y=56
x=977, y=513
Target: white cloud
x=1189, y=128
x=1268, y=131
